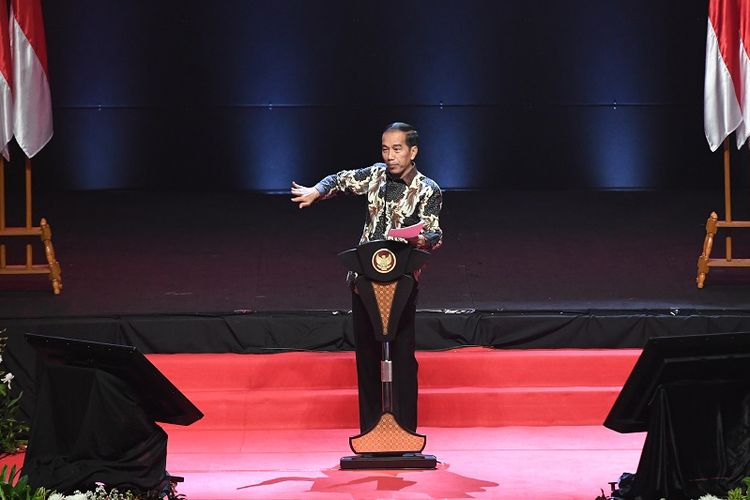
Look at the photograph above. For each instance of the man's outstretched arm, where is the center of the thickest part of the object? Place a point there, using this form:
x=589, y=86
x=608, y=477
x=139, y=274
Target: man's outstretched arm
x=346, y=181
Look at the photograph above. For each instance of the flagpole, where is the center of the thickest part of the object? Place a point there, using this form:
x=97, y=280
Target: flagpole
x=2, y=194
x=2, y=211
x=29, y=251
x=28, y=194
x=728, y=197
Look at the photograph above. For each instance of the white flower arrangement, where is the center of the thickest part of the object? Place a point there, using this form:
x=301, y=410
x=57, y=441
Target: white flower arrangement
x=6, y=379
x=100, y=493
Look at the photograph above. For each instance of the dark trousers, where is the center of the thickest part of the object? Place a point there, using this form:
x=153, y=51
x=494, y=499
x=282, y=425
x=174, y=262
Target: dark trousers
x=369, y=355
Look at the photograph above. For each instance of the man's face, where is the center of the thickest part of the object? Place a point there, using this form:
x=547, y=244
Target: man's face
x=396, y=154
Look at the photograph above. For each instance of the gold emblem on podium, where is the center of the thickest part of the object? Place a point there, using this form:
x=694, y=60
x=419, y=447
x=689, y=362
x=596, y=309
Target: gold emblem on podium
x=383, y=261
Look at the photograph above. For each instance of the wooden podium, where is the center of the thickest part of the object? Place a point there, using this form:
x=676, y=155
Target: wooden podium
x=384, y=283
x=43, y=231
x=705, y=262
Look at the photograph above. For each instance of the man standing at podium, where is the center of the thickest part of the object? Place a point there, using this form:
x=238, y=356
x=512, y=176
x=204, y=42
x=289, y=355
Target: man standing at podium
x=398, y=195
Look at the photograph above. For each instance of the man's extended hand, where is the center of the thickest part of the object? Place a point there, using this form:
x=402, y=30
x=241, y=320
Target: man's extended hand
x=304, y=196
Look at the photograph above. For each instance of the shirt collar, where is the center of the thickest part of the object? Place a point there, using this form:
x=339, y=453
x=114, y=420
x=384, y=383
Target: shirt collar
x=407, y=178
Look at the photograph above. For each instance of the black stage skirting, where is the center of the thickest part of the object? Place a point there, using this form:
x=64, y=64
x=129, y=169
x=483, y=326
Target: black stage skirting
x=332, y=330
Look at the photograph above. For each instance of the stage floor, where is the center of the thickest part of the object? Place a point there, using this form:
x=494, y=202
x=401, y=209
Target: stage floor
x=135, y=253
x=512, y=463
x=572, y=463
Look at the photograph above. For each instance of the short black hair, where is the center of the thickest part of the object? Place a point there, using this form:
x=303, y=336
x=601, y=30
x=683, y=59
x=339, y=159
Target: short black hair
x=412, y=137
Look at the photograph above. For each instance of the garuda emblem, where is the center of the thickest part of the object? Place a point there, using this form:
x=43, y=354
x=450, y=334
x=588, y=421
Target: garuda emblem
x=383, y=261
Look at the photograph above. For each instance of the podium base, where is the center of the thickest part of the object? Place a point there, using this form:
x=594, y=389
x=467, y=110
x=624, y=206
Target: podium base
x=403, y=461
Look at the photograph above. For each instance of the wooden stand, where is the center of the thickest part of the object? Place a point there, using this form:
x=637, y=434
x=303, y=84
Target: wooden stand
x=385, y=284
x=705, y=262
x=52, y=268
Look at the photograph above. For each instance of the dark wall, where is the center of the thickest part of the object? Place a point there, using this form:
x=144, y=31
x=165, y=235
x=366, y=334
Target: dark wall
x=245, y=94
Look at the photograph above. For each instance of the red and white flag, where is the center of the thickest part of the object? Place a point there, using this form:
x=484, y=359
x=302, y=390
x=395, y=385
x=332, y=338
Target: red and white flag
x=32, y=103
x=727, y=79
x=6, y=83
x=743, y=131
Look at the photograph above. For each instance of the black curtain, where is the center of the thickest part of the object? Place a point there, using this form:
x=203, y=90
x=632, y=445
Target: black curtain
x=89, y=427
x=698, y=441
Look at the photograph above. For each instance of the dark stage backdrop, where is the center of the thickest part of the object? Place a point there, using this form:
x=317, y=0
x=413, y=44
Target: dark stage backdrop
x=246, y=94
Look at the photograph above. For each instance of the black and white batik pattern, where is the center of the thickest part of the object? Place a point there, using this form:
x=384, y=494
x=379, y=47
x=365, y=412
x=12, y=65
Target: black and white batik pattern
x=391, y=203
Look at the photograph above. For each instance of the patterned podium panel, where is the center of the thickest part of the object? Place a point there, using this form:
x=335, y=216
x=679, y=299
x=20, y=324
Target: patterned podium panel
x=384, y=294
x=387, y=437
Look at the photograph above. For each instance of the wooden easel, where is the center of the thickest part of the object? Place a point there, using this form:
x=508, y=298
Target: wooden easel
x=705, y=262
x=52, y=268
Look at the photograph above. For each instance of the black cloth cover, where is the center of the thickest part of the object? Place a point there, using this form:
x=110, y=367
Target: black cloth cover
x=88, y=427
x=405, y=367
x=698, y=441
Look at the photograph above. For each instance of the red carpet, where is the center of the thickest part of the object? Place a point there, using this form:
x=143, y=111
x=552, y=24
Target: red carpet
x=467, y=387
x=503, y=424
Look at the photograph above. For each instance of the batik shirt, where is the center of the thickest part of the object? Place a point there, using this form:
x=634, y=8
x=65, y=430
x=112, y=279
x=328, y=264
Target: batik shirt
x=391, y=203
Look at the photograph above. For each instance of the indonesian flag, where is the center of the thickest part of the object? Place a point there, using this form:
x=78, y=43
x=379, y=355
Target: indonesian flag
x=743, y=131
x=6, y=95
x=32, y=104
x=727, y=80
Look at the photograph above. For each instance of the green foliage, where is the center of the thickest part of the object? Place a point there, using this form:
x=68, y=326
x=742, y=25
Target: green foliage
x=20, y=490
x=740, y=493
x=735, y=494
x=11, y=429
